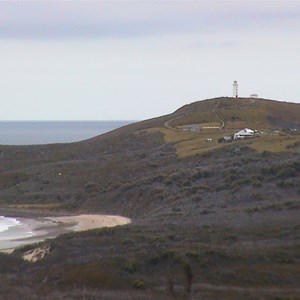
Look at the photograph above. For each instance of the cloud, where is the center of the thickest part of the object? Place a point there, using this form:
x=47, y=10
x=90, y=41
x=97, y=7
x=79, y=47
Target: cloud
x=139, y=19
x=217, y=44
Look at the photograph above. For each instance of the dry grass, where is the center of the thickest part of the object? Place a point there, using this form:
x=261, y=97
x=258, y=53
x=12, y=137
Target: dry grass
x=196, y=118
x=262, y=115
x=273, y=143
x=36, y=206
x=191, y=143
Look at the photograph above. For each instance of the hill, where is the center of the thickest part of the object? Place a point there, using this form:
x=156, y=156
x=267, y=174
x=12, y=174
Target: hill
x=209, y=220
x=260, y=113
x=214, y=118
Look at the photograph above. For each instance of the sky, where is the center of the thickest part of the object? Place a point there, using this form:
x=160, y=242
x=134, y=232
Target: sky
x=134, y=60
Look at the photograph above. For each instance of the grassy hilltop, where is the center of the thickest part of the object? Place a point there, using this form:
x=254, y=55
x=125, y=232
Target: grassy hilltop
x=209, y=220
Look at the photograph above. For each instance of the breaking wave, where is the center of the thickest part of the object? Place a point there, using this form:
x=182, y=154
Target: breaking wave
x=6, y=223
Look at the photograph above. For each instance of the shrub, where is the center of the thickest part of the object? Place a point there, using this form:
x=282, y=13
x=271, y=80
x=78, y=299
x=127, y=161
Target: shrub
x=199, y=173
x=207, y=212
x=168, y=255
x=158, y=178
x=266, y=153
x=197, y=198
x=296, y=165
x=287, y=173
x=10, y=179
x=285, y=170
x=235, y=177
x=128, y=242
x=90, y=187
x=256, y=183
x=129, y=267
x=192, y=254
x=45, y=181
x=139, y=284
x=193, y=190
x=251, y=210
x=175, y=176
x=267, y=171
x=186, y=183
x=168, y=182
x=205, y=187
x=237, y=183
x=233, y=171
x=157, y=191
x=176, y=209
x=285, y=184
x=257, y=196
x=298, y=186
x=153, y=165
x=294, y=145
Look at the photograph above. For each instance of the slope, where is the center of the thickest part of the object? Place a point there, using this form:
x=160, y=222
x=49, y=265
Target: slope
x=216, y=224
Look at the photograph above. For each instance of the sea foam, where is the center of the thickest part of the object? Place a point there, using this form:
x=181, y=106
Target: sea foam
x=6, y=223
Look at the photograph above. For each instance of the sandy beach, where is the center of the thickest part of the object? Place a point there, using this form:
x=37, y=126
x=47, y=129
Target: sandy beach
x=40, y=229
x=86, y=222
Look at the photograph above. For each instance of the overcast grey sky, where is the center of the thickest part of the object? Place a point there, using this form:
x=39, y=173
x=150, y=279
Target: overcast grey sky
x=100, y=60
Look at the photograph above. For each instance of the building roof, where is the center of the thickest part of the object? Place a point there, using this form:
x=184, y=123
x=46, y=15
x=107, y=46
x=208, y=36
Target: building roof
x=246, y=131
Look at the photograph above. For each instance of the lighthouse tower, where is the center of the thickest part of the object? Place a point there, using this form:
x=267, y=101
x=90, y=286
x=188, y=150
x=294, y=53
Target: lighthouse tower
x=235, y=89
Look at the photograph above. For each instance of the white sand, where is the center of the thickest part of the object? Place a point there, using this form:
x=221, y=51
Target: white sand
x=86, y=222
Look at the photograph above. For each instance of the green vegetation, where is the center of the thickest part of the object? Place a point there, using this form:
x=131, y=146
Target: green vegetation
x=209, y=220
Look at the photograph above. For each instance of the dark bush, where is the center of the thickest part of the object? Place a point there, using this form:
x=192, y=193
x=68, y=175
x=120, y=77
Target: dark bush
x=186, y=183
x=158, y=178
x=197, y=198
x=139, y=284
x=90, y=187
x=129, y=267
x=287, y=173
x=266, y=153
x=257, y=196
x=199, y=173
x=285, y=170
x=193, y=189
x=235, y=170
x=256, y=183
x=239, y=182
x=175, y=176
x=285, y=184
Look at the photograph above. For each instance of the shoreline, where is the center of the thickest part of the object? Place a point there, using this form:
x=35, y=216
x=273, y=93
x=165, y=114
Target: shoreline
x=91, y=221
x=43, y=228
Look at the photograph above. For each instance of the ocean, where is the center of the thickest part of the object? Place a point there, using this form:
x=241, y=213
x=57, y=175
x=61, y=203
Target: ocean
x=43, y=132
x=11, y=230
x=15, y=232
x=47, y=132
x=6, y=223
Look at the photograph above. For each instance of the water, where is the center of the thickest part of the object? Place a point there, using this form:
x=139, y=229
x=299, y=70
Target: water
x=46, y=132
x=11, y=229
x=6, y=223
x=43, y=132
x=21, y=231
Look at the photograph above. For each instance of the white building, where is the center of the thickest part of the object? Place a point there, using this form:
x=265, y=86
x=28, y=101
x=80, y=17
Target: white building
x=245, y=133
x=235, y=91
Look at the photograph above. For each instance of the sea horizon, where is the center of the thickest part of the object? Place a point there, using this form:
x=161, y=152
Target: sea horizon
x=33, y=132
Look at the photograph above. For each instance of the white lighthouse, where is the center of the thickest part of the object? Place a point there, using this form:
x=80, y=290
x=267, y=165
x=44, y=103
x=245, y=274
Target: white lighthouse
x=235, y=89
